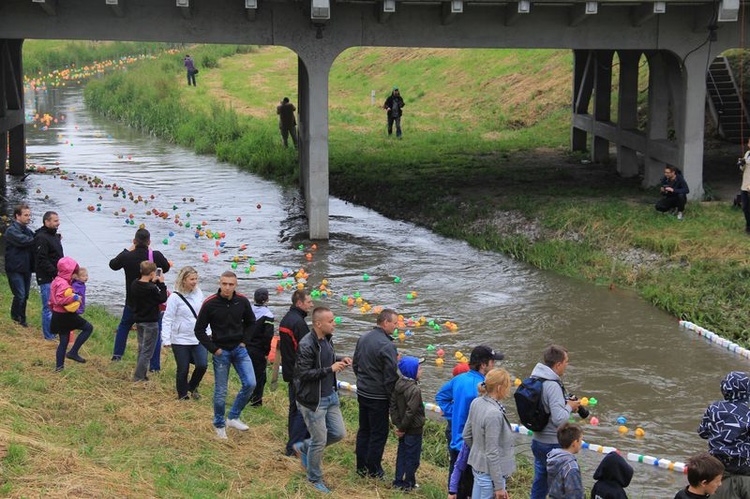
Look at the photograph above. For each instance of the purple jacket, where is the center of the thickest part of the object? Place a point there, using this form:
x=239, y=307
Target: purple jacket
x=79, y=288
x=458, y=469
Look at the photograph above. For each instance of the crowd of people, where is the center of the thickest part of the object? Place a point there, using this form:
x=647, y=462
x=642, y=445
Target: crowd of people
x=239, y=333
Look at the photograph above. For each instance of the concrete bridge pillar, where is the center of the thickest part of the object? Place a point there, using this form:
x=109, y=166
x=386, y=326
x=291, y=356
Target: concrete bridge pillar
x=627, y=111
x=658, y=112
x=690, y=110
x=602, y=102
x=313, y=70
x=12, y=106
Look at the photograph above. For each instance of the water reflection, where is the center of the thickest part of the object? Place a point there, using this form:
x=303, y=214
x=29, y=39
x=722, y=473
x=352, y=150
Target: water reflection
x=631, y=357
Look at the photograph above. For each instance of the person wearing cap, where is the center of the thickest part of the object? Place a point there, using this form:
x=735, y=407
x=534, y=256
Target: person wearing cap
x=559, y=408
x=287, y=121
x=375, y=366
x=394, y=106
x=455, y=397
x=292, y=329
x=177, y=333
x=407, y=416
x=260, y=343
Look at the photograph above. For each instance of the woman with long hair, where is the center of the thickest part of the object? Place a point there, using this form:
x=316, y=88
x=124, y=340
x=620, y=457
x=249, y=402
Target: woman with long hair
x=490, y=437
x=177, y=333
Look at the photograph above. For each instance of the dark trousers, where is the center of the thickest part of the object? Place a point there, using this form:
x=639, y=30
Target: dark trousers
x=295, y=423
x=62, y=347
x=466, y=483
x=20, y=284
x=259, y=366
x=745, y=198
x=371, y=436
x=674, y=201
x=184, y=355
x=397, y=121
x=191, y=77
x=286, y=132
x=407, y=461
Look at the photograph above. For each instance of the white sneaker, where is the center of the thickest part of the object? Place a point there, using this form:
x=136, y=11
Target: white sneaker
x=680, y=216
x=237, y=424
x=221, y=433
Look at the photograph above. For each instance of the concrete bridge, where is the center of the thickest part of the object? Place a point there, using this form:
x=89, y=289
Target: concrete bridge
x=677, y=38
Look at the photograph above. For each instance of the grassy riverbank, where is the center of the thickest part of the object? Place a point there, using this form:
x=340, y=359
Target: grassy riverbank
x=483, y=159
x=91, y=432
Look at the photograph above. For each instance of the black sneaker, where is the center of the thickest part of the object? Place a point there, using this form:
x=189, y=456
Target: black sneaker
x=195, y=395
x=59, y=369
x=76, y=357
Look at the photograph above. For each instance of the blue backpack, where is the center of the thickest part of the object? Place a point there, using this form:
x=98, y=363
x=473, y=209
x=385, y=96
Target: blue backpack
x=529, y=404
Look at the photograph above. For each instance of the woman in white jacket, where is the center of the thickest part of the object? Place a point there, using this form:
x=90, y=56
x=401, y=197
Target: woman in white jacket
x=177, y=332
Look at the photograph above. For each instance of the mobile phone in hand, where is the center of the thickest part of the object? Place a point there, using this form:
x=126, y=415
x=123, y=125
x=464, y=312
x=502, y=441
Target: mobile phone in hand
x=158, y=272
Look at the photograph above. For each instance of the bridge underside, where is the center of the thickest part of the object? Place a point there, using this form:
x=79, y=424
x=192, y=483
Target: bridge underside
x=676, y=38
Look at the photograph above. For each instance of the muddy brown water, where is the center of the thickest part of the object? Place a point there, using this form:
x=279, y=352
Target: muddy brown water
x=630, y=356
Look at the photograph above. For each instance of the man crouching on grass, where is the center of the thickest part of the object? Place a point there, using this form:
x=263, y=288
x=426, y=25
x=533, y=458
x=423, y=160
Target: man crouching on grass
x=231, y=318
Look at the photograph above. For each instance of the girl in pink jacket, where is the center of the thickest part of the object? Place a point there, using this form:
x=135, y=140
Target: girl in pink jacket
x=64, y=303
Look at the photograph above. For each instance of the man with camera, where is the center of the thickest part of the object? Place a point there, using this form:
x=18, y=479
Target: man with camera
x=559, y=406
x=674, y=192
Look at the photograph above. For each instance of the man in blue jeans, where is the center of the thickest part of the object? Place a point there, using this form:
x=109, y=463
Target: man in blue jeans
x=317, y=400
x=19, y=261
x=130, y=260
x=231, y=318
x=554, y=399
x=47, y=252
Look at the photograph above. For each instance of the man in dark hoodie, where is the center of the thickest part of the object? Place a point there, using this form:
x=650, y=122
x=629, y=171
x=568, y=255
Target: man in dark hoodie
x=130, y=261
x=19, y=261
x=612, y=477
x=375, y=368
x=232, y=321
x=726, y=426
x=260, y=344
x=292, y=329
x=47, y=252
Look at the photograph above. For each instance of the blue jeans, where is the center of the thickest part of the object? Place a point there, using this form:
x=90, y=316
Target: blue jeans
x=540, y=451
x=46, y=311
x=407, y=461
x=121, y=339
x=295, y=423
x=371, y=436
x=20, y=283
x=183, y=355
x=484, y=488
x=239, y=358
x=326, y=427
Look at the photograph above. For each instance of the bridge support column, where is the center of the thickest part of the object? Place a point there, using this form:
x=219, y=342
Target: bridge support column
x=602, y=102
x=313, y=144
x=11, y=106
x=627, y=111
x=581, y=94
x=658, y=114
x=689, y=113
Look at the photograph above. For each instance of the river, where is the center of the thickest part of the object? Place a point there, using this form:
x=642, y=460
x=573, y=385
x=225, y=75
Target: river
x=630, y=356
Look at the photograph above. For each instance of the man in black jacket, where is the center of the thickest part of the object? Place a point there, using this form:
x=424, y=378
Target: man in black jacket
x=317, y=398
x=292, y=329
x=394, y=106
x=375, y=365
x=48, y=250
x=231, y=318
x=19, y=261
x=130, y=260
x=260, y=344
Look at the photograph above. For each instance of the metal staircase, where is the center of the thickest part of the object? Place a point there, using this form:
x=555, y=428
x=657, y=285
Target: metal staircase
x=724, y=102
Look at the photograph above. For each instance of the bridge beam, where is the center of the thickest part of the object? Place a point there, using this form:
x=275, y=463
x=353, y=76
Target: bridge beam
x=117, y=6
x=582, y=11
x=640, y=14
x=48, y=6
x=514, y=11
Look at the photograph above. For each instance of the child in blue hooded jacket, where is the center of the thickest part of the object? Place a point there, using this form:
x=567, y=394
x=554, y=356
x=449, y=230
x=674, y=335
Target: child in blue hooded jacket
x=407, y=415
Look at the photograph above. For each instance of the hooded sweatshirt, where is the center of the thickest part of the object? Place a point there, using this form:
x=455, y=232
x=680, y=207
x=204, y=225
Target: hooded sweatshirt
x=407, y=410
x=58, y=293
x=564, y=476
x=554, y=402
x=612, y=475
x=726, y=424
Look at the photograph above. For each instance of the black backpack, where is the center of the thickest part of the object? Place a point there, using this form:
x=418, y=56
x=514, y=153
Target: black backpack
x=529, y=404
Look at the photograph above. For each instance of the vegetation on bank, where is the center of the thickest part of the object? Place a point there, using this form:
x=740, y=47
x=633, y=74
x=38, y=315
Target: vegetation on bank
x=90, y=431
x=483, y=159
